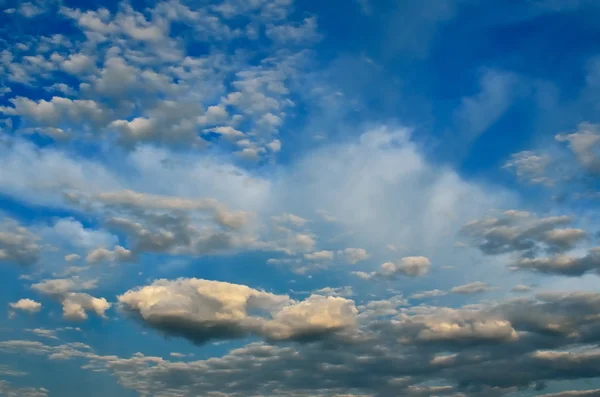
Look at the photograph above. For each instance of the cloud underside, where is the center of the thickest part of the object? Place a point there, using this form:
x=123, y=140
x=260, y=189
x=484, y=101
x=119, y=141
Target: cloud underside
x=203, y=310
x=490, y=350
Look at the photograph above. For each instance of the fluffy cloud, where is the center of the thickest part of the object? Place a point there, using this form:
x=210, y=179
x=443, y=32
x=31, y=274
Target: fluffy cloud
x=203, y=310
x=26, y=305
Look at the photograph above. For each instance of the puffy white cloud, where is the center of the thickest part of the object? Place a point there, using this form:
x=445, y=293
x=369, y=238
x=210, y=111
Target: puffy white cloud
x=26, y=305
x=203, y=310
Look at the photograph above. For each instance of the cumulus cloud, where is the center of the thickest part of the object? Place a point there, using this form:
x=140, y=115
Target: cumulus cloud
x=204, y=310
x=26, y=305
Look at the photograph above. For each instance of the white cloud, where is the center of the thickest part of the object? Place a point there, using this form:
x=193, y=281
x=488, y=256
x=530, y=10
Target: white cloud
x=26, y=305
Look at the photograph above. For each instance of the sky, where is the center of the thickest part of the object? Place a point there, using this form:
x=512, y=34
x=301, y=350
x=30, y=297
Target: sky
x=285, y=198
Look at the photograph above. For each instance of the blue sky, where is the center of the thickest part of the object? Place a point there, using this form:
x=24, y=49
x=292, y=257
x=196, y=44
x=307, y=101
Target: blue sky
x=284, y=198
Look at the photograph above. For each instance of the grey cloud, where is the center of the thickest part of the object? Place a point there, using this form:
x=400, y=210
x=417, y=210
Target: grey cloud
x=522, y=232
x=477, y=350
x=17, y=244
x=564, y=265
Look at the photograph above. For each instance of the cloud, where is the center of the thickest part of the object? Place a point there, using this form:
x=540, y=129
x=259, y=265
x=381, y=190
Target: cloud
x=564, y=265
x=584, y=143
x=319, y=256
x=530, y=167
x=118, y=254
x=476, y=287
x=411, y=266
x=75, y=304
x=9, y=390
x=477, y=113
x=26, y=305
x=429, y=294
x=574, y=393
x=203, y=310
x=521, y=288
x=17, y=244
x=528, y=341
x=354, y=255
x=46, y=333
x=522, y=232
